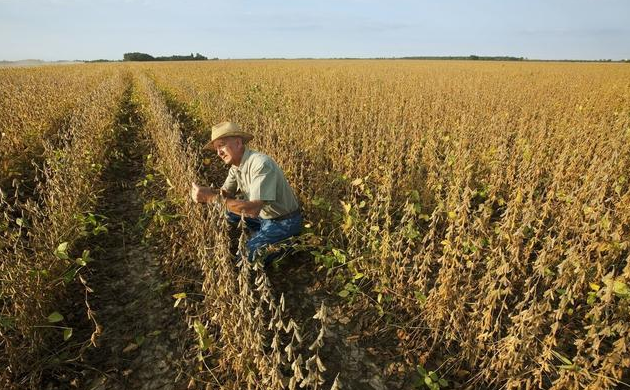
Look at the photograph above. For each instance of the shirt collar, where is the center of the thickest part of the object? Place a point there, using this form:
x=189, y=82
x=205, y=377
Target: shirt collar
x=246, y=155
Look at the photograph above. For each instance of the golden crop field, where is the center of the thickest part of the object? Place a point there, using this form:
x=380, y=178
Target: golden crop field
x=467, y=226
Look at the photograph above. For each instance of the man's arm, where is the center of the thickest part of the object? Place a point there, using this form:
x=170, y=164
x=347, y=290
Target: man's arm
x=249, y=208
x=237, y=206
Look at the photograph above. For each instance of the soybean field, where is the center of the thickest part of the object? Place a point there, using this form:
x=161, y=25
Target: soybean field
x=467, y=226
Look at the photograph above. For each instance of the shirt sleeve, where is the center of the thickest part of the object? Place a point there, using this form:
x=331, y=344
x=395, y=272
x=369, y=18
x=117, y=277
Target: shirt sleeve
x=264, y=181
x=230, y=184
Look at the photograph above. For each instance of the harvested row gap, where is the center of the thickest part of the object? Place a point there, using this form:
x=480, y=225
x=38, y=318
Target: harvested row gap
x=362, y=359
x=139, y=344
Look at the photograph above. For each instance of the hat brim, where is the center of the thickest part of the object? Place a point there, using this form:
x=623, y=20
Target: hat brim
x=241, y=134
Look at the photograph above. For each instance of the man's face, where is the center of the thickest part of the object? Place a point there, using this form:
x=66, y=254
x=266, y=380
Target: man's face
x=229, y=149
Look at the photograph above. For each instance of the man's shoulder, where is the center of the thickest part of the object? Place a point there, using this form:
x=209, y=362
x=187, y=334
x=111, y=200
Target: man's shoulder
x=258, y=159
x=257, y=155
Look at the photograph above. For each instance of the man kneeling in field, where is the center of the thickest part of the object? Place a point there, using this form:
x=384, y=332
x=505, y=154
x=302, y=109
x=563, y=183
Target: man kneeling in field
x=269, y=205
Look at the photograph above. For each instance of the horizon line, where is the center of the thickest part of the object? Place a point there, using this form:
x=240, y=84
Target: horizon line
x=473, y=57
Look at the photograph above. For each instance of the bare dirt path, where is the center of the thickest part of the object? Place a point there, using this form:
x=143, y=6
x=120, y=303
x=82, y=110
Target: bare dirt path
x=140, y=344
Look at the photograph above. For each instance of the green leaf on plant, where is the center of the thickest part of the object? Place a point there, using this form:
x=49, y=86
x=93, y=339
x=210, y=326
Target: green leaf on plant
x=563, y=358
x=69, y=275
x=38, y=272
x=420, y=297
x=55, y=317
x=344, y=293
x=99, y=229
x=199, y=328
x=62, y=251
x=67, y=333
x=205, y=343
x=621, y=289
x=178, y=297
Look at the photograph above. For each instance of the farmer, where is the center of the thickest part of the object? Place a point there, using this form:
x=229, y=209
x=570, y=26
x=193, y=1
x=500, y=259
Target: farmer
x=269, y=205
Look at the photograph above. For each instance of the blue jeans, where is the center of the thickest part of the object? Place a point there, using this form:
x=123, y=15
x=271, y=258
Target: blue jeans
x=267, y=231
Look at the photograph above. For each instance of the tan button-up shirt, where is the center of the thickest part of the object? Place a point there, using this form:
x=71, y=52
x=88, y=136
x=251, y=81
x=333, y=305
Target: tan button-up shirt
x=258, y=177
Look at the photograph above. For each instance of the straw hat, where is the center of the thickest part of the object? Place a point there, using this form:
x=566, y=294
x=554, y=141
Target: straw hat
x=227, y=129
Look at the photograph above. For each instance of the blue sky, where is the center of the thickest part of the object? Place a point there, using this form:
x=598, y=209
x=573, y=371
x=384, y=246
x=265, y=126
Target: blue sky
x=91, y=29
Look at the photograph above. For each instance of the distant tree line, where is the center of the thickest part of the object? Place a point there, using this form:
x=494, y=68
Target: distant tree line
x=136, y=56
x=500, y=58
x=470, y=57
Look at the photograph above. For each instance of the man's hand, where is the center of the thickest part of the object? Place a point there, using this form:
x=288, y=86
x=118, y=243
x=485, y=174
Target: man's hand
x=202, y=194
